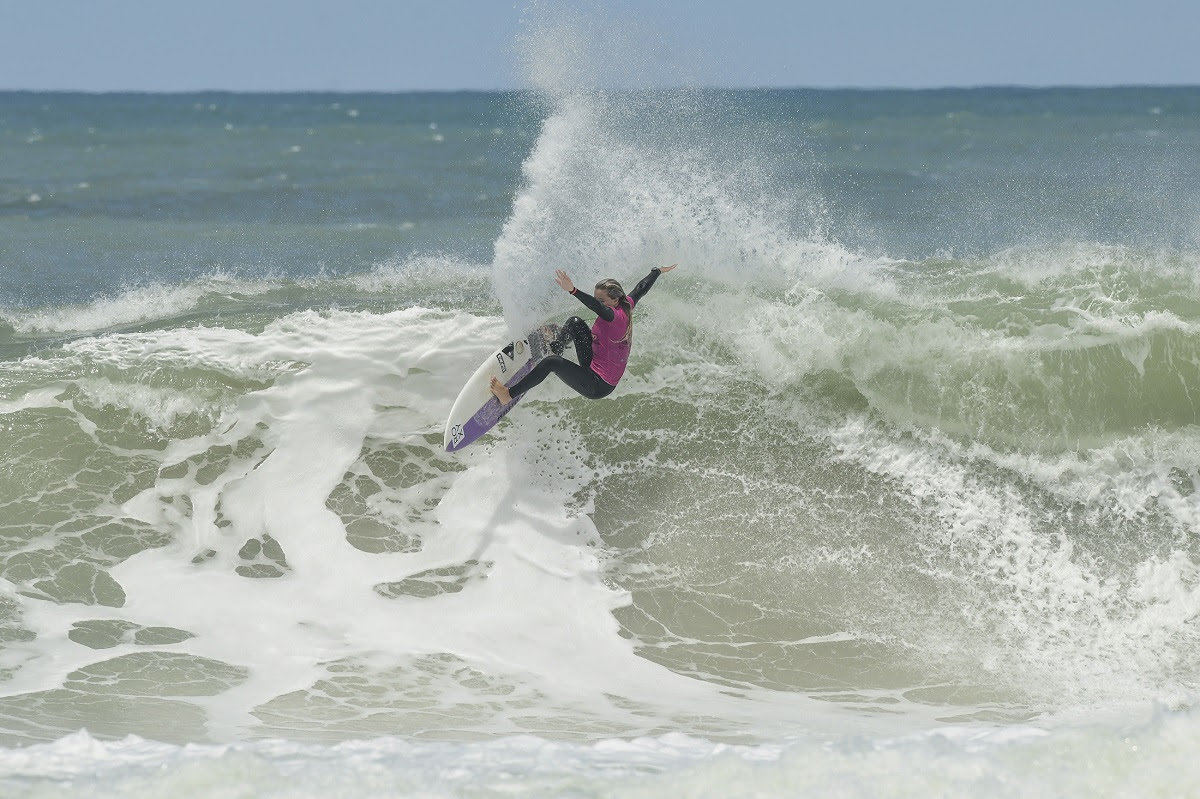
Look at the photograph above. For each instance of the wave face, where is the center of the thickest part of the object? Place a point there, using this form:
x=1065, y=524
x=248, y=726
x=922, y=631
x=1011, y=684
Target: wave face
x=904, y=464
x=954, y=479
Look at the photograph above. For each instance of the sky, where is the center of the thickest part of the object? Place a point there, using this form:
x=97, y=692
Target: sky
x=405, y=45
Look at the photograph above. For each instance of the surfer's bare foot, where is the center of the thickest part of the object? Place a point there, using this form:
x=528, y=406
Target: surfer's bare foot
x=501, y=391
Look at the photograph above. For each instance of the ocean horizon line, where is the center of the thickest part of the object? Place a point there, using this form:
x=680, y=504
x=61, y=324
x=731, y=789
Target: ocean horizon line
x=667, y=88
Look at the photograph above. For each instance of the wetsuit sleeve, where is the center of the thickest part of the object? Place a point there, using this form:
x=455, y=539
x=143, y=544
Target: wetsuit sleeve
x=644, y=285
x=594, y=305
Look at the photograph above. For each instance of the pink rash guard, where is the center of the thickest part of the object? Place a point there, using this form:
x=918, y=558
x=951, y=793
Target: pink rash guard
x=610, y=355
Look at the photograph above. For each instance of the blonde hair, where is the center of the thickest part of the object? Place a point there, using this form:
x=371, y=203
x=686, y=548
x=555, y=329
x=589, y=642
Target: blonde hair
x=614, y=291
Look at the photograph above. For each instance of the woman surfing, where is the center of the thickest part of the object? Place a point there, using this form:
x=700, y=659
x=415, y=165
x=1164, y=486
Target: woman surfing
x=603, y=350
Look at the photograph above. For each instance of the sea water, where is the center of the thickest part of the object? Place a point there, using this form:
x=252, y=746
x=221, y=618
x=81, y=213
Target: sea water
x=897, y=498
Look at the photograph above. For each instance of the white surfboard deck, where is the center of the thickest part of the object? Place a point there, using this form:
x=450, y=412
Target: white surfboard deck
x=477, y=410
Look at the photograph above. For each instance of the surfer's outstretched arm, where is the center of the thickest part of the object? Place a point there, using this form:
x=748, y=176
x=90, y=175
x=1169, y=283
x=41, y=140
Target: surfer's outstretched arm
x=645, y=283
x=594, y=305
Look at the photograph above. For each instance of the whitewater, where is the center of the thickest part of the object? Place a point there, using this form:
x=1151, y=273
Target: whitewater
x=897, y=498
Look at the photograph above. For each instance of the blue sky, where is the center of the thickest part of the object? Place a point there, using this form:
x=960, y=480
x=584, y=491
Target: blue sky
x=397, y=45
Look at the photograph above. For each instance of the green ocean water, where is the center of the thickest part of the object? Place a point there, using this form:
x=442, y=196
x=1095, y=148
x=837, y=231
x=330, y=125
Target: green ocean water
x=908, y=442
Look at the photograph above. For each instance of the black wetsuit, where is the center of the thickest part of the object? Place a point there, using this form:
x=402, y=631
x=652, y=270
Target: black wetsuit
x=579, y=377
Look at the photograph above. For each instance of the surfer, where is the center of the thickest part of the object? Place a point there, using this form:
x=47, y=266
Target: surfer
x=603, y=350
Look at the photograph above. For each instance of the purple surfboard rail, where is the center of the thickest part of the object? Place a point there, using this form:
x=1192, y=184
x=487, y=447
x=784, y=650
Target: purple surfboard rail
x=487, y=416
x=462, y=434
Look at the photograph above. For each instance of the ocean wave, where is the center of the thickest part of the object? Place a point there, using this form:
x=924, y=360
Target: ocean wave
x=137, y=306
x=835, y=489
x=738, y=525
x=224, y=299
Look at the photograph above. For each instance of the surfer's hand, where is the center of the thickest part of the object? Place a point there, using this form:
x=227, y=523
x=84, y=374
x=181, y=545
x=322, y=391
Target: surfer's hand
x=666, y=268
x=561, y=278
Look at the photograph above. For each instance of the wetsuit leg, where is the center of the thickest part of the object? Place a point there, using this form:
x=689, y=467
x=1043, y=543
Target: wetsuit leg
x=577, y=331
x=579, y=378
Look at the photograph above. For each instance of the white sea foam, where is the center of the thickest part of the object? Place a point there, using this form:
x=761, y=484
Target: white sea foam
x=160, y=407
x=1045, y=603
x=537, y=622
x=1092, y=265
x=1137, y=759
x=226, y=350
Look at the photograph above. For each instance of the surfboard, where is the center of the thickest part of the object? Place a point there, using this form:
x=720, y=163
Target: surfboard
x=477, y=410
